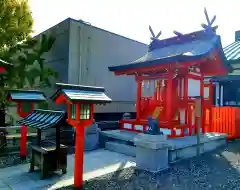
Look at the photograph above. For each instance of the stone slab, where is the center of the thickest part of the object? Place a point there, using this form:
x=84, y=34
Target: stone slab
x=121, y=148
x=178, y=143
x=120, y=135
x=151, y=141
x=150, y=138
x=176, y=155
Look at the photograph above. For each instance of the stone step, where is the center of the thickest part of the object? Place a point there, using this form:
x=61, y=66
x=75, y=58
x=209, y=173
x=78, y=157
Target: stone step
x=119, y=135
x=179, y=148
x=121, y=148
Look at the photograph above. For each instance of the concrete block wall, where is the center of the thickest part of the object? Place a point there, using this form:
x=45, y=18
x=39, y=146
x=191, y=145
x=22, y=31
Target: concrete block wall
x=91, y=52
x=82, y=54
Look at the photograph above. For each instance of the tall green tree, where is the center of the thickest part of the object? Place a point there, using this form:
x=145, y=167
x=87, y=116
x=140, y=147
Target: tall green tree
x=15, y=26
x=16, y=23
x=29, y=68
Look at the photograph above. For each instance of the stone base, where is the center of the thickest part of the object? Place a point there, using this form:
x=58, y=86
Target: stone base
x=152, y=160
x=208, y=142
x=178, y=148
x=151, y=152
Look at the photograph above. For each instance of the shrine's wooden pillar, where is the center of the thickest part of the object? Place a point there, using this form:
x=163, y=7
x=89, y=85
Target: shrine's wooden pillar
x=203, y=116
x=138, y=99
x=188, y=108
x=155, y=90
x=169, y=98
x=159, y=94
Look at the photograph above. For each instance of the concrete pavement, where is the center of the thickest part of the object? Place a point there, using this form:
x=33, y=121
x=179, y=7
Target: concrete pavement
x=96, y=163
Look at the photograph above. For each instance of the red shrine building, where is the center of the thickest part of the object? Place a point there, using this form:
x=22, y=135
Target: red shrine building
x=170, y=76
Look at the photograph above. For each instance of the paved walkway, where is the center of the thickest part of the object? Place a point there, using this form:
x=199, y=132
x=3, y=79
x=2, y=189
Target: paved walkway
x=96, y=163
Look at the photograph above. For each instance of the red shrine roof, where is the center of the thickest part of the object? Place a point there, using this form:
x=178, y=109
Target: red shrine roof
x=202, y=49
x=3, y=65
x=80, y=93
x=183, y=50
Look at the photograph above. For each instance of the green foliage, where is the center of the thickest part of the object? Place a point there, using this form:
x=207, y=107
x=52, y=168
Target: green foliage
x=29, y=68
x=15, y=23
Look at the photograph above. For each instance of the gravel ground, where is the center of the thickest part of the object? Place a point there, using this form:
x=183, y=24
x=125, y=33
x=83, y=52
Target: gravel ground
x=216, y=170
x=12, y=160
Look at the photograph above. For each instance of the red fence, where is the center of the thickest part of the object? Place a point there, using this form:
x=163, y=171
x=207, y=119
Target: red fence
x=224, y=120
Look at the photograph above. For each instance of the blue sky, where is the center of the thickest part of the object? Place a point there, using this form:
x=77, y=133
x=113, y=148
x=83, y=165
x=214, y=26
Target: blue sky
x=131, y=18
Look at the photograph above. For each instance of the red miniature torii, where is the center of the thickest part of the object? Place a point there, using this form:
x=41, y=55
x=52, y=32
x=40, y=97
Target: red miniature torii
x=177, y=66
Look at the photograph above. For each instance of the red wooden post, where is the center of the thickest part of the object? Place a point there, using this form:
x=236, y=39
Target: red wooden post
x=159, y=97
x=79, y=158
x=138, y=102
x=169, y=99
x=79, y=150
x=185, y=89
x=203, y=105
x=23, y=142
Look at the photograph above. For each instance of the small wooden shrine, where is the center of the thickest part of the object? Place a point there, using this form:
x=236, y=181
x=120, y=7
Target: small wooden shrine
x=80, y=101
x=169, y=77
x=47, y=155
x=25, y=100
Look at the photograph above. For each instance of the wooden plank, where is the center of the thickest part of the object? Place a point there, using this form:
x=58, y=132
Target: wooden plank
x=213, y=127
x=221, y=119
x=216, y=121
x=224, y=113
x=227, y=126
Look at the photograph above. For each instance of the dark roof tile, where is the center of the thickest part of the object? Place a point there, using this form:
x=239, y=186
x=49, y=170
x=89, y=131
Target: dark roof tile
x=44, y=119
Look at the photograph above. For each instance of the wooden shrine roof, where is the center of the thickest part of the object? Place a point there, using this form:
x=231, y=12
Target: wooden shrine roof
x=43, y=119
x=26, y=95
x=185, y=48
x=80, y=93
